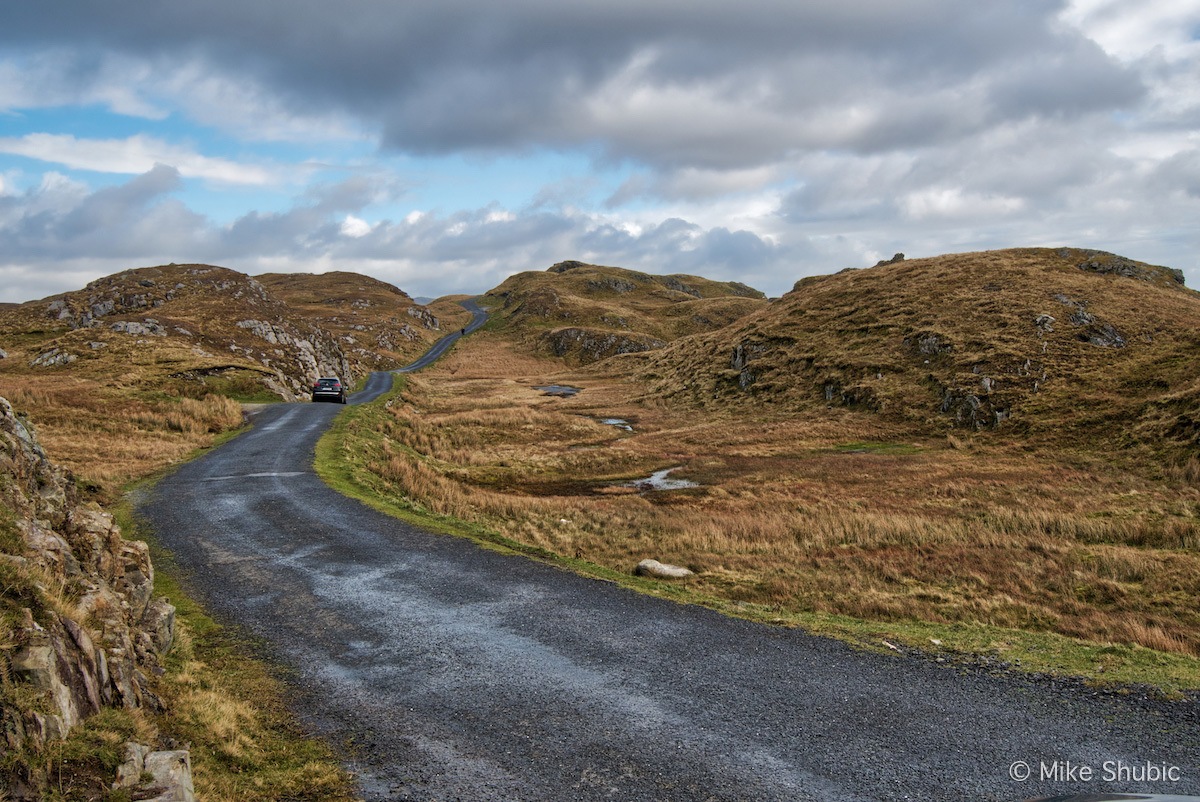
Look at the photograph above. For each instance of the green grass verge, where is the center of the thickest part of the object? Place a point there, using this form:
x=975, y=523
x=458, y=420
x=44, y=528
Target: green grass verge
x=345, y=451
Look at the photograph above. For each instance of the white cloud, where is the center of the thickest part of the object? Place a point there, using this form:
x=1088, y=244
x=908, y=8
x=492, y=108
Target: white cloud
x=55, y=77
x=697, y=183
x=765, y=140
x=499, y=216
x=54, y=193
x=1155, y=146
x=355, y=227
x=152, y=88
x=1131, y=29
x=1157, y=37
x=953, y=202
x=249, y=110
x=133, y=155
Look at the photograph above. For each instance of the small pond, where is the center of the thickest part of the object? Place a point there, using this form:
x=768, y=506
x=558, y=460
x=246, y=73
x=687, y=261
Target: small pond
x=560, y=390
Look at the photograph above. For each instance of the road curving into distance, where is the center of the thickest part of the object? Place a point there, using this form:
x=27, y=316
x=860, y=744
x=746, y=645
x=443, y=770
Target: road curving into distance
x=478, y=318
x=451, y=672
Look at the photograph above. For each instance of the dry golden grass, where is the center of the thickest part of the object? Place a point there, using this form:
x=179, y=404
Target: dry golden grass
x=109, y=436
x=613, y=304
x=244, y=742
x=845, y=511
x=124, y=407
x=903, y=339
x=127, y=405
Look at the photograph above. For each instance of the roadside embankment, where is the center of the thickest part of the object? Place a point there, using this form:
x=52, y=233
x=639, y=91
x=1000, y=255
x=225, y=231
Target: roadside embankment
x=112, y=680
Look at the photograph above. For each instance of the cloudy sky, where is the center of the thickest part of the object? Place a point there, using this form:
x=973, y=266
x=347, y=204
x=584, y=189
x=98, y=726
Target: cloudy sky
x=444, y=145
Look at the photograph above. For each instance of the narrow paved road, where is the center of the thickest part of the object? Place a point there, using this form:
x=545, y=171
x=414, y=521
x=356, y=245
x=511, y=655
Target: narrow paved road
x=478, y=318
x=457, y=673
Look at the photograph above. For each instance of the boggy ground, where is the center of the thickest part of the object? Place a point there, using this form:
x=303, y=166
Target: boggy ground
x=842, y=513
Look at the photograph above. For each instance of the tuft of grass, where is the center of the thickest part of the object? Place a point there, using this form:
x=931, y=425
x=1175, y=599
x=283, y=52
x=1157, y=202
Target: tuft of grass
x=863, y=447
x=84, y=765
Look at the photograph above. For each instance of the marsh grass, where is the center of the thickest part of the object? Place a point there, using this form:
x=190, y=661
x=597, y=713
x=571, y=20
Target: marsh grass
x=840, y=516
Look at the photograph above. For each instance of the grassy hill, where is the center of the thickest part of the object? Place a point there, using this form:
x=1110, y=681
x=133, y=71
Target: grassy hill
x=993, y=450
x=378, y=326
x=584, y=313
x=999, y=446
x=1048, y=343
x=137, y=368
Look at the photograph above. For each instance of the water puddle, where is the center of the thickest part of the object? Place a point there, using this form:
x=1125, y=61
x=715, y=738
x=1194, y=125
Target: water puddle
x=659, y=481
x=620, y=423
x=559, y=390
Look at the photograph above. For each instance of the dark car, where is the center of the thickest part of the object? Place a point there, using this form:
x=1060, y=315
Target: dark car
x=329, y=388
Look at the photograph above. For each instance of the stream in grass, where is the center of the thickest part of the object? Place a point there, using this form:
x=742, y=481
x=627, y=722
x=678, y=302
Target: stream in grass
x=659, y=481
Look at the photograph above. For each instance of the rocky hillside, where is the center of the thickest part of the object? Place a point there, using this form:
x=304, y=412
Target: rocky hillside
x=584, y=313
x=378, y=326
x=215, y=326
x=1053, y=340
x=139, y=368
x=80, y=627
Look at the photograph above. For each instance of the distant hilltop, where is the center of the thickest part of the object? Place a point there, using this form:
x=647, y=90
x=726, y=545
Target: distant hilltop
x=220, y=328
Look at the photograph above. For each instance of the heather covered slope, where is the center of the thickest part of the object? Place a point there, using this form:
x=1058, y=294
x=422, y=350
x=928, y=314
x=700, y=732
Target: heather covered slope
x=1037, y=341
x=584, y=313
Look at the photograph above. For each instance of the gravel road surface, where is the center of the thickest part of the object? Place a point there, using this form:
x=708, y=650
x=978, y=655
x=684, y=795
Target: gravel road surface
x=449, y=672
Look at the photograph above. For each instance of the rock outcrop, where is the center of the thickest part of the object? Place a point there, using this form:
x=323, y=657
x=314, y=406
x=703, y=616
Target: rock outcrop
x=584, y=345
x=657, y=570
x=81, y=628
x=1111, y=264
x=305, y=355
x=163, y=776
